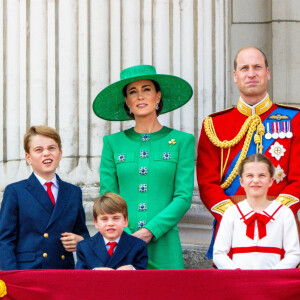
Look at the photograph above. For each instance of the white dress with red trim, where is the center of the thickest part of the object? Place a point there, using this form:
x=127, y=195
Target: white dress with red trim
x=250, y=240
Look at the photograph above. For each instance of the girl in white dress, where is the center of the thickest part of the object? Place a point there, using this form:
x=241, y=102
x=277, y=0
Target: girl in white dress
x=257, y=233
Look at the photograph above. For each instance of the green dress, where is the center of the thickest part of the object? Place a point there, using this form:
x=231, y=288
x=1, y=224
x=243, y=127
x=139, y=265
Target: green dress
x=154, y=173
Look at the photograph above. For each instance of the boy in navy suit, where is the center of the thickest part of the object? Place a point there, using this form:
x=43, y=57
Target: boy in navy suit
x=41, y=218
x=111, y=248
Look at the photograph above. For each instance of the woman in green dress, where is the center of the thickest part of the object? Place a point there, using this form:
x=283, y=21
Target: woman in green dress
x=149, y=165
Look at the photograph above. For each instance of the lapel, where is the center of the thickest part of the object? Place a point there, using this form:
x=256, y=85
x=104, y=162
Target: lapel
x=35, y=188
x=62, y=200
x=99, y=248
x=122, y=249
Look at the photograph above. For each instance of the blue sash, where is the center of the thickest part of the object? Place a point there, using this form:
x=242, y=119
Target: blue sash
x=291, y=113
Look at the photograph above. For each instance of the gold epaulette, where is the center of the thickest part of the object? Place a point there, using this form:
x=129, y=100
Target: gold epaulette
x=294, y=106
x=222, y=111
x=221, y=207
x=287, y=200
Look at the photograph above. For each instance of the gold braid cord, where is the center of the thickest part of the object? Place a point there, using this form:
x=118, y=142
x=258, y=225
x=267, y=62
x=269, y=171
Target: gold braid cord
x=3, y=290
x=250, y=125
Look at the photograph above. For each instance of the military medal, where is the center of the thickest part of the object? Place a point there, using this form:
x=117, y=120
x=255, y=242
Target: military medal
x=274, y=134
x=268, y=135
x=281, y=132
x=289, y=133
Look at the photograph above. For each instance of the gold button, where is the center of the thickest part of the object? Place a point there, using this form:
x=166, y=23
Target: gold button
x=46, y=235
x=63, y=257
x=45, y=255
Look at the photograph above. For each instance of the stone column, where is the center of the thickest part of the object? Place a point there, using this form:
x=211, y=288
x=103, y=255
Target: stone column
x=55, y=56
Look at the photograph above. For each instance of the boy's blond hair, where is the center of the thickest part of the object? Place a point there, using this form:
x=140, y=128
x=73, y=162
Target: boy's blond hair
x=41, y=130
x=110, y=203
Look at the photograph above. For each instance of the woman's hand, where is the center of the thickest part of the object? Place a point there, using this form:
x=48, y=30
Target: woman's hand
x=70, y=240
x=144, y=234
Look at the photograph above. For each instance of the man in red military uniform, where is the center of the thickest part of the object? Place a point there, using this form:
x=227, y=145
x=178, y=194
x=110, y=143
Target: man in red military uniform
x=255, y=125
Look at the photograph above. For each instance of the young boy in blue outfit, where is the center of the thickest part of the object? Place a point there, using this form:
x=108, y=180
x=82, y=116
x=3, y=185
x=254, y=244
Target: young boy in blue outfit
x=42, y=217
x=111, y=248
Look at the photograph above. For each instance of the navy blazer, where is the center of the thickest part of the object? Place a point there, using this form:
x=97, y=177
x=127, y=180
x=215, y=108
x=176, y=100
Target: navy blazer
x=31, y=227
x=92, y=253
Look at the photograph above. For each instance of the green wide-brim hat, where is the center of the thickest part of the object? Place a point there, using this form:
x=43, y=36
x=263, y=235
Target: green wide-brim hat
x=109, y=103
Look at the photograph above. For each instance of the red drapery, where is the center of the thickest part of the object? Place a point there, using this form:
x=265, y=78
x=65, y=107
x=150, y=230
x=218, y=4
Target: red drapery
x=175, y=284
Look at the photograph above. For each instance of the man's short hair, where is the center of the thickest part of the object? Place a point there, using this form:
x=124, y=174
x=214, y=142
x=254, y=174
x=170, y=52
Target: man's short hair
x=41, y=130
x=249, y=47
x=109, y=203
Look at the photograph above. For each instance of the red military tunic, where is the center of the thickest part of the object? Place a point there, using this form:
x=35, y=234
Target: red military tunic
x=283, y=152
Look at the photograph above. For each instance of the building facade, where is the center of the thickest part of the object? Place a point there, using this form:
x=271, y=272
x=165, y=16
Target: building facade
x=56, y=55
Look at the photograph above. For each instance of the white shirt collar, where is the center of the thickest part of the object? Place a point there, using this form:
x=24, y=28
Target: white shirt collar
x=43, y=181
x=106, y=241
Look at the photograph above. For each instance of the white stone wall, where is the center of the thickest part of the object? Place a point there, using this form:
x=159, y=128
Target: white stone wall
x=56, y=55
x=273, y=26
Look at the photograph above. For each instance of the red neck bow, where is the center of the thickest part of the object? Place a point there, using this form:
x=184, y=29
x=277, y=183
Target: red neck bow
x=262, y=221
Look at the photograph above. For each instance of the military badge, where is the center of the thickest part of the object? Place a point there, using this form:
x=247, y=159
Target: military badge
x=277, y=151
x=278, y=117
x=279, y=174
